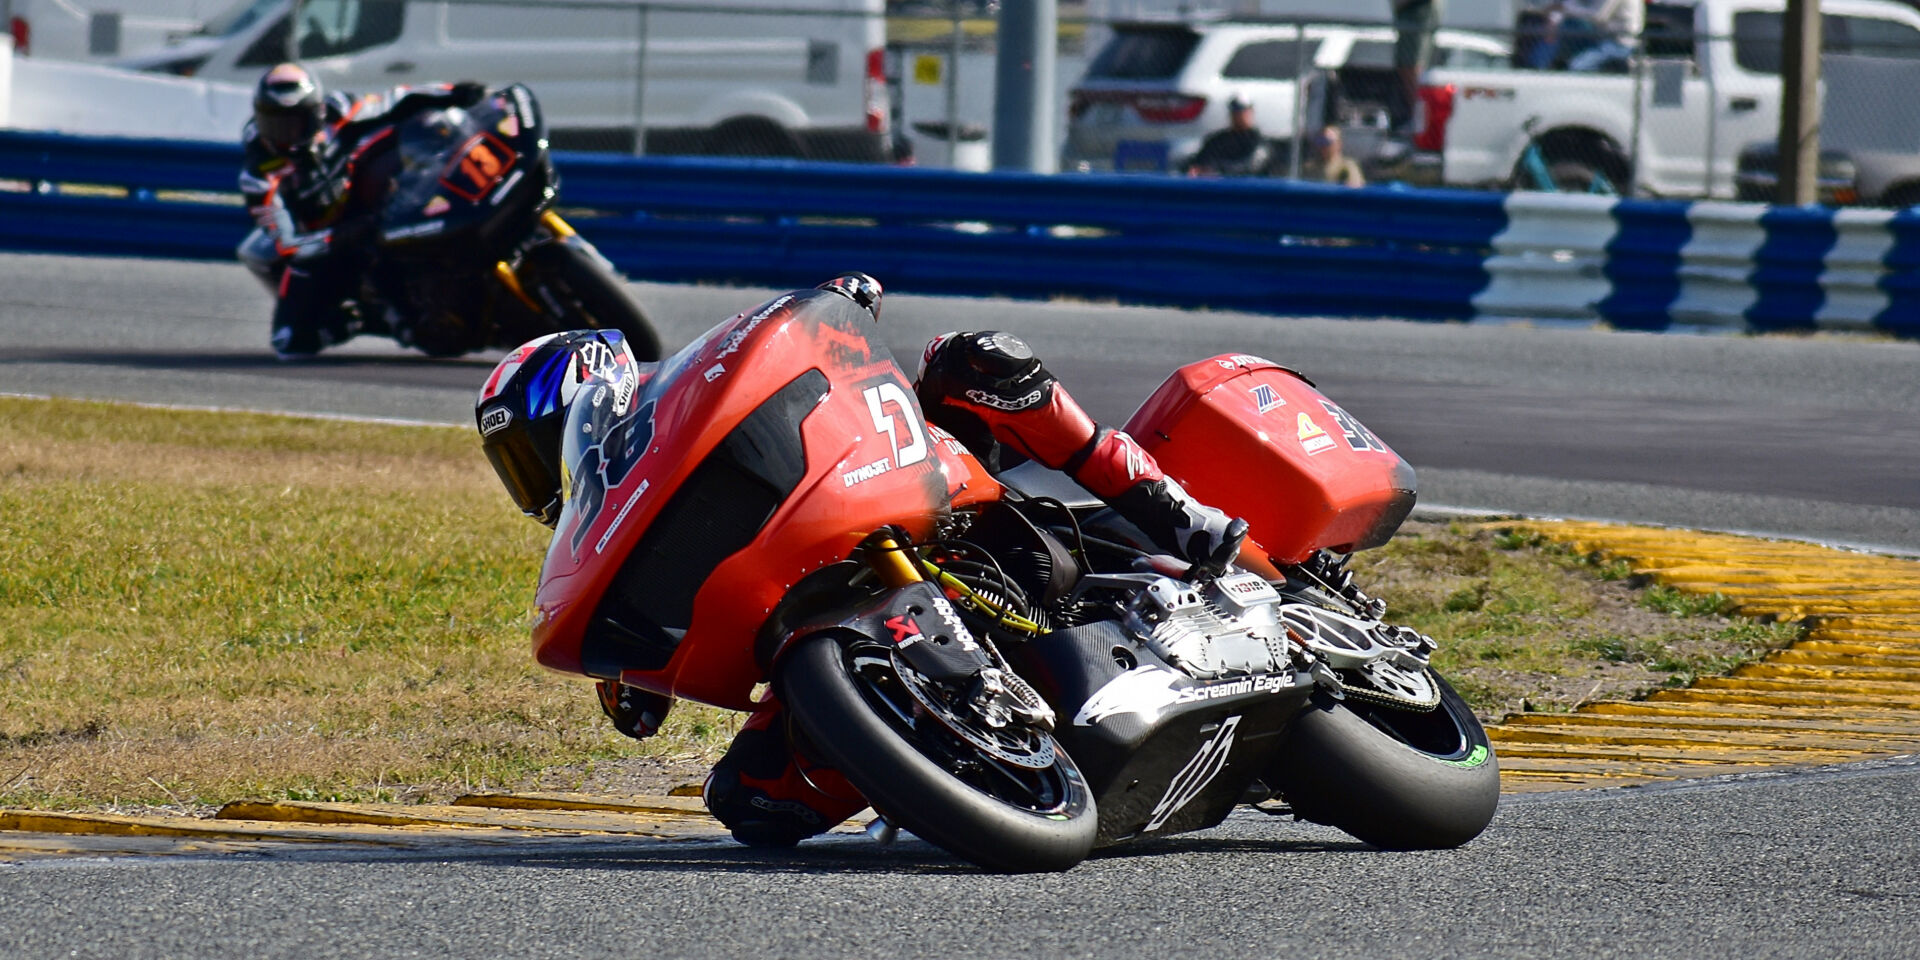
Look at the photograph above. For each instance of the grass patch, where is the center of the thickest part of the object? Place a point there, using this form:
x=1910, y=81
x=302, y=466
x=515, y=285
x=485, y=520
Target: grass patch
x=1524, y=624
x=198, y=607
x=203, y=607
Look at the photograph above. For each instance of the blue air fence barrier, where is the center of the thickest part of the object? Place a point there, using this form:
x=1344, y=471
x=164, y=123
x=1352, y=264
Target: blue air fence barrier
x=1643, y=263
x=1901, y=282
x=1647, y=264
x=1257, y=245
x=1266, y=246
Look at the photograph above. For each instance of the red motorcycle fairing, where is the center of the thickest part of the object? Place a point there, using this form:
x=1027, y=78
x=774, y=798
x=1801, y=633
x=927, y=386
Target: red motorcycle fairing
x=1257, y=440
x=763, y=451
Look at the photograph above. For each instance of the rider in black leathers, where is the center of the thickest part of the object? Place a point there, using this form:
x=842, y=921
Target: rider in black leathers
x=316, y=171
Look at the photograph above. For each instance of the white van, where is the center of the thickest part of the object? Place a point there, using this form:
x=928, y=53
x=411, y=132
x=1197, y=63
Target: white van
x=99, y=30
x=738, y=77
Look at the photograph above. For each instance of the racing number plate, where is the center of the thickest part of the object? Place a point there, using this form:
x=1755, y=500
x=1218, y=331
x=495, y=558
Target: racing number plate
x=477, y=166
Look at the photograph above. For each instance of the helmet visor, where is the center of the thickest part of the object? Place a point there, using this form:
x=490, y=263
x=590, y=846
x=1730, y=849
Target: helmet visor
x=284, y=129
x=530, y=480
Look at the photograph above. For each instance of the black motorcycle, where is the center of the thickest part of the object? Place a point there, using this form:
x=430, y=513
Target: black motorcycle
x=468, y=252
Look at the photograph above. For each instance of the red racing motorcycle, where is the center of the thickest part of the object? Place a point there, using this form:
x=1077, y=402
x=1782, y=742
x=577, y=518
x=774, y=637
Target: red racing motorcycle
x=1001, y=664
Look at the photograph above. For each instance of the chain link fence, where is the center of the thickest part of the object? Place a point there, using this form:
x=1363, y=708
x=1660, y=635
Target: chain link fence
x=1555, y=103
x=759, y=78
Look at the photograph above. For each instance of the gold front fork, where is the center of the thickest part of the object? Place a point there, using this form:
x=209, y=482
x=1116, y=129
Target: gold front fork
x=896, y=565
x=560, y=228
x=505, y=275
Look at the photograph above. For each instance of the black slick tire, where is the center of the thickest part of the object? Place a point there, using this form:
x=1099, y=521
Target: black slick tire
x=1400, y=780
x=594, y=296
x=816, y=683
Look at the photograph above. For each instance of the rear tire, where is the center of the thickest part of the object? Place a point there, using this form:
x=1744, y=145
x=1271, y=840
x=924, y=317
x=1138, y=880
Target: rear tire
x=855, y=714
x=1397, y=779
x=592, y=295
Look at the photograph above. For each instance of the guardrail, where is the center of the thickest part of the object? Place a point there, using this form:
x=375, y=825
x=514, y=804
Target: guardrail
x=1265, y=246
x=1643, y=264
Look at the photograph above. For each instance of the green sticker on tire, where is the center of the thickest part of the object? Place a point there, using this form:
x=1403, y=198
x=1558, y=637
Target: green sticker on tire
x=1474, y=758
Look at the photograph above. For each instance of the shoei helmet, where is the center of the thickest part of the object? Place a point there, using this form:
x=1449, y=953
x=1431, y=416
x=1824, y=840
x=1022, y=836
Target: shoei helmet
x=288, y=106
x=522, y=410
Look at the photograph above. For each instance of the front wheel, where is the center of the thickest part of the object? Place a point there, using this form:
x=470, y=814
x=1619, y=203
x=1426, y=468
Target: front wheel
x=1009, y=799
x=588, y=293
x=1398, y=779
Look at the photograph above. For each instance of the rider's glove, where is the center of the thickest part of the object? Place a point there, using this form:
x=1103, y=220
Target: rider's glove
x=1213, y=550
x=635, y=712
x=466, y=93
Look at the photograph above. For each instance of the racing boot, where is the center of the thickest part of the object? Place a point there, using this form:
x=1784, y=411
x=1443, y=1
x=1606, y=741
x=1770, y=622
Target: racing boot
x=989, y=390
x=307, y=317
x=768, y=793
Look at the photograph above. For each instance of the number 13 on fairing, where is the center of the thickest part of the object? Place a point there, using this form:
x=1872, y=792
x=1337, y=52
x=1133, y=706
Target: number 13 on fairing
x=890, y=392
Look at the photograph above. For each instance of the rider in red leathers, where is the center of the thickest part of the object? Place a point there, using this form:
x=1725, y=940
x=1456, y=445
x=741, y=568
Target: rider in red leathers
x=992, y=393
x=989, y=390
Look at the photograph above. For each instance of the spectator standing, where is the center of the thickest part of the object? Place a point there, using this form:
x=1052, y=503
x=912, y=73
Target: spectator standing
x=1414, y=23
x=1330, y=164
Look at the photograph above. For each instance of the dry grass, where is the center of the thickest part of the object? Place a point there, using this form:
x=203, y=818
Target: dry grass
x=196, y=607
x=201, y=607
x=1524, y=625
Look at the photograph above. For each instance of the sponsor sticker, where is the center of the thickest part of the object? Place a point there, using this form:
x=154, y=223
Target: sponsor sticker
x=1313, y=439
x=506, y=187
x=494, y=420
x=1241, y=361
x=1247, y=587
x=620, y=517
x=868, y=472
x=1220, y=689
x=1136, y=457
x=986, y=399
x=426, y=229
x=523, y=105
x=951, y=618
x=1194, y=777
x=715, y=372
x=1143, y=691
x=906, y=630
x=1265, y=397
x=731, y=345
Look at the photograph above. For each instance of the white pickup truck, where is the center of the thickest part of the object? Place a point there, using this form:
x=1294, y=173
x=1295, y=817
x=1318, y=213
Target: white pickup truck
x=1707, y=87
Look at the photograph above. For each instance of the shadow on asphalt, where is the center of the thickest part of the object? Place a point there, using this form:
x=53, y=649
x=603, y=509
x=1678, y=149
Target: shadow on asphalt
x=840, y=855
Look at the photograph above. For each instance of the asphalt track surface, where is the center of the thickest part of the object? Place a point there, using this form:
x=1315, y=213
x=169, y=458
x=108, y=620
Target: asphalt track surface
x=1810, y=865
x=1812, y=437
x=1809, y=437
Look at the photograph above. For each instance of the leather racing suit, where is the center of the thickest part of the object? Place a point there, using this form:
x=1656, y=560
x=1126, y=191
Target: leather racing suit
x=989, y=390
x=316, y=206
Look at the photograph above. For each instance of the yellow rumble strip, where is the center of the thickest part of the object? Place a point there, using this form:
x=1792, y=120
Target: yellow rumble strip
x=495, y=818
x=1848, y=691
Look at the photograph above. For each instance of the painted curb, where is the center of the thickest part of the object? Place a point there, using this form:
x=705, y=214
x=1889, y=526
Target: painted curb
x=1848, y=690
